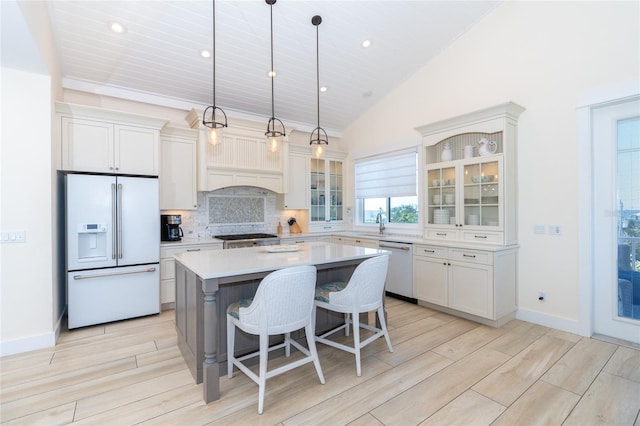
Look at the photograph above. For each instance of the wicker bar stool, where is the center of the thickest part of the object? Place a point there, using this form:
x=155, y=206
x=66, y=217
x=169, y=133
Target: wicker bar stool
x=283, y=303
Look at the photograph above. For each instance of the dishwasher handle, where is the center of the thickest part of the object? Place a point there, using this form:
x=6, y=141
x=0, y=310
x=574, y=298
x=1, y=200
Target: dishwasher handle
x=405, y=248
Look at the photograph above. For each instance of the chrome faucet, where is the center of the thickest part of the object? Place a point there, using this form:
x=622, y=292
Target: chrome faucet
x=380, y=220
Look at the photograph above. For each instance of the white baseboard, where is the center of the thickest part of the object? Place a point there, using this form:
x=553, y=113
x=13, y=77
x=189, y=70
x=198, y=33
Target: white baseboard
x=559, y=323
x=32, y=343
x=26, y=344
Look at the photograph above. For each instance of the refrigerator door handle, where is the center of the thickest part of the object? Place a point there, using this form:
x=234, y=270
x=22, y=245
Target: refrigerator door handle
x=119, y=221
x=113, y=274
x=113, y=221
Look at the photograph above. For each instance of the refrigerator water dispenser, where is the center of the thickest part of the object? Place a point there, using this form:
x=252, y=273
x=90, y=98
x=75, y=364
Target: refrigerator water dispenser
x=92, y=242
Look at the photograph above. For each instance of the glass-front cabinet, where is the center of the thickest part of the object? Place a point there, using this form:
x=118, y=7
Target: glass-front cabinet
x=326, y=193
x=464, y=200
x=469, y=177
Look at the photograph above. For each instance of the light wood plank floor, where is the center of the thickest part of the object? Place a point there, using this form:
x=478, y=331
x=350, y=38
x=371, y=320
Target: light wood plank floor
x=443, y=371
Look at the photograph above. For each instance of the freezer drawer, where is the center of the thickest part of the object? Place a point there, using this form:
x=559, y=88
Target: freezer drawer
x=113, y=294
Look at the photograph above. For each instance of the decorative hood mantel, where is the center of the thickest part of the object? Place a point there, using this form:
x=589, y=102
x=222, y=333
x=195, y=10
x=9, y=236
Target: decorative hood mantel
x=241, y=158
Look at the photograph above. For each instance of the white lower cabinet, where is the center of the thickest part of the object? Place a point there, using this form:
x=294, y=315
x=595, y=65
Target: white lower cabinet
x=358, y=242
x=168, y=268
x=481, y=283
x=430, y=274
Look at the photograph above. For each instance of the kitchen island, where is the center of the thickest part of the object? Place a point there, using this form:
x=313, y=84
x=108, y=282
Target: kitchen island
x=208, y=281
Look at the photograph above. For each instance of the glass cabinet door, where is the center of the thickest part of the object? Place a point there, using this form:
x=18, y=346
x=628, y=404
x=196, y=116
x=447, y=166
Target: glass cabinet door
x=318, y=189
x=335, y=191
x=441, y=196
x=326, y=190
x=481, y=202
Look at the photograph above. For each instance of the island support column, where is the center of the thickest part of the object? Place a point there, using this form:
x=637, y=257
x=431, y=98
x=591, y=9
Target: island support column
x=210, y=366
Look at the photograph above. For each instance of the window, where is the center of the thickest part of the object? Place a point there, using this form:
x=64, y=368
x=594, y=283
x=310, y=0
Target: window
x=387, y=185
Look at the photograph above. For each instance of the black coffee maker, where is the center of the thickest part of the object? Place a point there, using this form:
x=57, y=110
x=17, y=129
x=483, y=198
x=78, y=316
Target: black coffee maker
x=170, y=227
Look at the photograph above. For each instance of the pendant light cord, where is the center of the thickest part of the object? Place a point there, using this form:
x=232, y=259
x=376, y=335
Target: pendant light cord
x=211, y=110
x=318, y=68
x=318, y=135
x=271, y=125
x=213, y=3
x=272, y=72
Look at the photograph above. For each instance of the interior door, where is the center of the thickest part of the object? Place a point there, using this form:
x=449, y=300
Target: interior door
x=616, y=213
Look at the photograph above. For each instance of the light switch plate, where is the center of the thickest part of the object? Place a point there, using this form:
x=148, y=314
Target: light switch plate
x=539, y=229
x=555, y=230
x=19, y=236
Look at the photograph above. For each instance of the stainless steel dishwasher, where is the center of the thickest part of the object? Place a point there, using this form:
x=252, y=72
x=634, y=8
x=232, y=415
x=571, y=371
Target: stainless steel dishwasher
x=399, y=282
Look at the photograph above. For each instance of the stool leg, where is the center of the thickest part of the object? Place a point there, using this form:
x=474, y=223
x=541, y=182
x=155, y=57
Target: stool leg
x=355, y=318
x=231, y=333
x=287, y=344
x=383, y=324
x=311, y=343
x=346, y=324
x=262, y=379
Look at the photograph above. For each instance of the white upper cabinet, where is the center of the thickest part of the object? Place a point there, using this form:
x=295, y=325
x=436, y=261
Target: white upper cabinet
x=296, y=173
x=178, y=169
x=104, y=141
x=469, y=189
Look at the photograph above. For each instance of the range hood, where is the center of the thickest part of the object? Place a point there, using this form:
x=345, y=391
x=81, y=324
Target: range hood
x=241, y=158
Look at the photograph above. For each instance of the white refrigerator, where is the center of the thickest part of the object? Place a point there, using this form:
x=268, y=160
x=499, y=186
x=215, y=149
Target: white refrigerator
x=113, y=248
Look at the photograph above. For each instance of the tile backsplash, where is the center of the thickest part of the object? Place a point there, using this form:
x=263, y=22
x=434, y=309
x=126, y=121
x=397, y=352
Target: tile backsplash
x=237, y=210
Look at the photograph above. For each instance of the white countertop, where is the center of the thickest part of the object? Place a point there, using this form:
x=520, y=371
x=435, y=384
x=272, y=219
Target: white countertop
x=186, y=241
x=400, y=238
x=227, y=263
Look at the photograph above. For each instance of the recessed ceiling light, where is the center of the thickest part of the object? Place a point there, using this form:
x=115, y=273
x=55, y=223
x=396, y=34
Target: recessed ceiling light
x=205, y=53
x=323, y=89
x=271, y=73
x=366, y=43
x=117, y=27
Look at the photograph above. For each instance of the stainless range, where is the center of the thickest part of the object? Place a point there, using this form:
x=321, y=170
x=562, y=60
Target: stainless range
x=247, y=240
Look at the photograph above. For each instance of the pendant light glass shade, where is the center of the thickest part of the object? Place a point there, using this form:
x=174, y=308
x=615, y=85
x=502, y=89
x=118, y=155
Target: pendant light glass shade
x=275, y=129
x=318, y=135
x=213, y=113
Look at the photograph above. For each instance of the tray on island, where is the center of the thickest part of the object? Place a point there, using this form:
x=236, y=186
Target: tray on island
x=282, y=248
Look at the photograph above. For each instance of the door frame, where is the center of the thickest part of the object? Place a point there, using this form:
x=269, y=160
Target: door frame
x=586, y=102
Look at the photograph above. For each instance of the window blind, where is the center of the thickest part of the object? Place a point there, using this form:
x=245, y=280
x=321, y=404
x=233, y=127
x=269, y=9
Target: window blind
x=389, y=176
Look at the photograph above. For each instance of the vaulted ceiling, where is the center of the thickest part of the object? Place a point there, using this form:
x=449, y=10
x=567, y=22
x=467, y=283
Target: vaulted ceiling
x=157, y=59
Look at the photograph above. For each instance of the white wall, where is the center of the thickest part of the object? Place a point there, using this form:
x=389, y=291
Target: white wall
x=31, y=274
x=541, y=55
x=26, y=269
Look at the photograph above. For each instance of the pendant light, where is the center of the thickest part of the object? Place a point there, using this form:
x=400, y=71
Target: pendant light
x=209, y=115
x=275, y=128
x=318, y=135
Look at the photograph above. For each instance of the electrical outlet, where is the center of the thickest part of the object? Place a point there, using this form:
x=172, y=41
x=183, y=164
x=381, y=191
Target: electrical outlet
x=555, y=230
